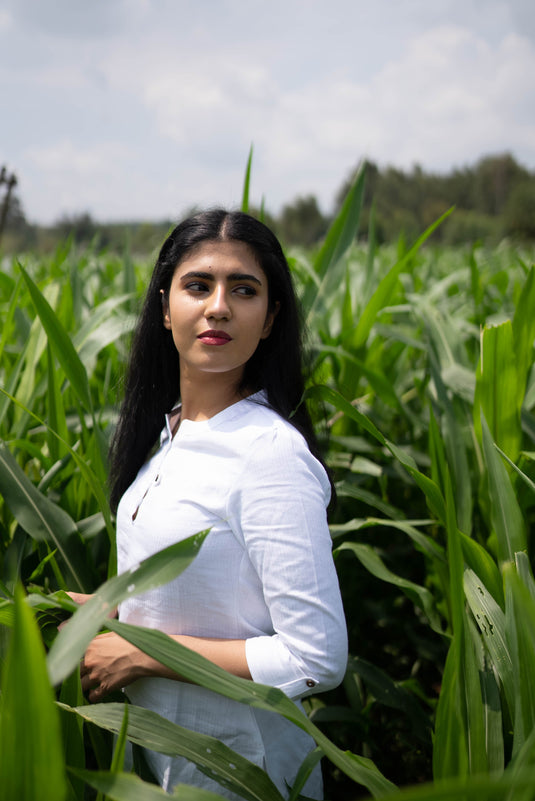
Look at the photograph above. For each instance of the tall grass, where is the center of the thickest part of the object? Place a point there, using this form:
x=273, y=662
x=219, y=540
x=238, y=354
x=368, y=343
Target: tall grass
x=423, y=392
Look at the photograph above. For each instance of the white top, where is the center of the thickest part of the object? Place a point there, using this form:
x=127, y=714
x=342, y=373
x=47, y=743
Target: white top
x=264, y=574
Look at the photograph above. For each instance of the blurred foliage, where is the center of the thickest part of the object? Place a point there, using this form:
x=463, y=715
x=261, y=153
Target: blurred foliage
x=423, y=394
x=494, y=199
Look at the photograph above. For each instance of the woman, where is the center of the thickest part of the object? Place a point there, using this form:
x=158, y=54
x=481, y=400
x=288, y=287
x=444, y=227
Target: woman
x=219, y=333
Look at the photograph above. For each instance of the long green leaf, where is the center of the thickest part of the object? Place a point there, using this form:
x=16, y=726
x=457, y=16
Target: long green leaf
x=490, y=619
x=63, y=347
x=75, y=636
x=472, y=788
x=392, y=694
x=195, y=668
x=432, y=493
x=506, y=516
x=499, y=391
x=31, y=758
x=451, y=750
x=150, y=730
x=524, y=329
x=247, y=182
x=383, y=293
x=87, y=472
x=339, y=237
x=483, y=566
x=520, y=631
x=306, y=768
x=127, y=787
x=420, y=596
x=41, y=518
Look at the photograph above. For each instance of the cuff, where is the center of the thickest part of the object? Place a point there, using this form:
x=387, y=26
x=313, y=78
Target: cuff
x=271, y=663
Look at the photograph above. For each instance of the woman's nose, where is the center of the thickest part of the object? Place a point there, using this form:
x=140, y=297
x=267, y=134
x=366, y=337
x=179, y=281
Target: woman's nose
x=218, y=304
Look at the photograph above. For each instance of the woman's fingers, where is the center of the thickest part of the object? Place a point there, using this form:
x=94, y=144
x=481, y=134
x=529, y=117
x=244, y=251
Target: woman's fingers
x=79, y=597
x=102, y=669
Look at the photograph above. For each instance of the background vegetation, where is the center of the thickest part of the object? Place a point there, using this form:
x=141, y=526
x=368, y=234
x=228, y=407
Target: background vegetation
x=494, y=198
x=423, y=392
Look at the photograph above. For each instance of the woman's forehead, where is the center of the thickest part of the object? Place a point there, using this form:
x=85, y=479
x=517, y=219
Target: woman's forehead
x=229, y=255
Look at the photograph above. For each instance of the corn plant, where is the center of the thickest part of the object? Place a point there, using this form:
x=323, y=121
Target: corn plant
x=423, y=390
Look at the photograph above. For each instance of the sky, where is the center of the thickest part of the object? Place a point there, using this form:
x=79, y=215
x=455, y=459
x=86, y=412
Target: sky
x=142, y=109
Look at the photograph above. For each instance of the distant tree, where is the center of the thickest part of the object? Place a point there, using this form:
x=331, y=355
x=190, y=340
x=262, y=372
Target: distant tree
x=81, y=227
x=16, y=233
x=495, y=177
x=301, y=222
x=520, y=211
x=408, y=202
x=8, y=183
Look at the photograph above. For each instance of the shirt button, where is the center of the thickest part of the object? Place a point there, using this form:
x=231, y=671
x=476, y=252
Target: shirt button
x=157, y=479
x=311, y=683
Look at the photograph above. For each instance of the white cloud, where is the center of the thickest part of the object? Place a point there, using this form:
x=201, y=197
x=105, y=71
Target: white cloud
x=158, y=112
x=5, y=20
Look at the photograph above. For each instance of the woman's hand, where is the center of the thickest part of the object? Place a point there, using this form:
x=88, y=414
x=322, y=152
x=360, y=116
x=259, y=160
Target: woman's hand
x=109, y=664
x=79, y=598
x=82, y=598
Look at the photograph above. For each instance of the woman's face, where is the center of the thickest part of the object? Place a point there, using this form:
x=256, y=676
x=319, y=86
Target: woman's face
x=217, y=309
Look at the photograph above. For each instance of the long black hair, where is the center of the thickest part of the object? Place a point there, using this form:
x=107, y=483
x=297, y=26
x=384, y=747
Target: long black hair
x=152, y=379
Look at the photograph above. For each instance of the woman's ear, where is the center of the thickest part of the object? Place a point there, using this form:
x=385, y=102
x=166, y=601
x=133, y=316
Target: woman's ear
x=270, y=319
x=165, y=310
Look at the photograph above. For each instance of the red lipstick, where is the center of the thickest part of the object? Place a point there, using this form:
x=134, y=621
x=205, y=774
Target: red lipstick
x=213, y=337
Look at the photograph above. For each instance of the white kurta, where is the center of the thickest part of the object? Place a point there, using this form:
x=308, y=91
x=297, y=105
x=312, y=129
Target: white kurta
x=264, y=574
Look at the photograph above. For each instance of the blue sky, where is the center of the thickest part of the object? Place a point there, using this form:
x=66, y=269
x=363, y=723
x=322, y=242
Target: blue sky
x=140, y=109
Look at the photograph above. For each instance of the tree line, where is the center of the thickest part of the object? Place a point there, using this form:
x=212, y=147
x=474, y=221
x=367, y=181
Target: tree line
x=493, y=199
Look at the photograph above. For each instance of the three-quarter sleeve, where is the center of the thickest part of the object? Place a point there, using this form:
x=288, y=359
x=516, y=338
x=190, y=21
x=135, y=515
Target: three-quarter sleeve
x=279, y=514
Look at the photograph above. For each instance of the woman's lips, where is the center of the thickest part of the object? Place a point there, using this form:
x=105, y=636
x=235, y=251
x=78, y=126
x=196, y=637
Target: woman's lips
x=214, y=337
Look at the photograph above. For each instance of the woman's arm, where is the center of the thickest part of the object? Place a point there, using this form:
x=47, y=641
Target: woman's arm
x=278, y=513
x=111, y=662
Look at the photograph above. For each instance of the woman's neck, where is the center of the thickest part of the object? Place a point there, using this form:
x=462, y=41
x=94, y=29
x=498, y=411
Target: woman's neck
x=202, y=399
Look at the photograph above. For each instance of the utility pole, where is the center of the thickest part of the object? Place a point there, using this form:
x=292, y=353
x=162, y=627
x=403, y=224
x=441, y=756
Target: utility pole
x=10, y=182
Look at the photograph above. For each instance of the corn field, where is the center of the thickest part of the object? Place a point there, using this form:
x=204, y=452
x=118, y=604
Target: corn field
x=423, y=393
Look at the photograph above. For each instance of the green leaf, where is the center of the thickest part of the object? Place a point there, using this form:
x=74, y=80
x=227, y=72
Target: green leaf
x=420, y=596
x=72, y=729
x=520, y=631
x=391, y=694
x=306, y=768
x=484, y=566
x=198, y=670
x=60, y=341
x=525, y=572
x=499, y=394
x=31, y=758
x=472, y=788
x=42, y=519
x=432, y=493
x=339, y=237
x=490, y=619
x=506, y=516
x=246, y=182
x=127, y=787
x=217, y=760
x=452, y=754
x=383, y=293
x=524, y=330
x=117, y=763
x=526, y=479
x=75, y=636
x=88, y=474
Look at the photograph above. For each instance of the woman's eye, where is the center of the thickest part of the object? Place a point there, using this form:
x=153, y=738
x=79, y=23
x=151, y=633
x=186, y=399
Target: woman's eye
x=196, y=286
x=245, y=290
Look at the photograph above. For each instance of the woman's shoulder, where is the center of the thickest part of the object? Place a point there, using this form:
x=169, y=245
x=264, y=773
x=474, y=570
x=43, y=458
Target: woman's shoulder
x=264, y=422
x=275, y=445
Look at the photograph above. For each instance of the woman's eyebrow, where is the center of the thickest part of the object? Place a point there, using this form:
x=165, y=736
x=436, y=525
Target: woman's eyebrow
x=205, y=276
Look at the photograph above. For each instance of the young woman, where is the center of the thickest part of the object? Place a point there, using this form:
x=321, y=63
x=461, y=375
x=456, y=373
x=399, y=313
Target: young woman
x=211, y=434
